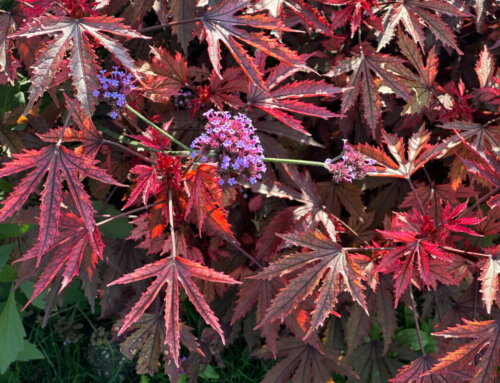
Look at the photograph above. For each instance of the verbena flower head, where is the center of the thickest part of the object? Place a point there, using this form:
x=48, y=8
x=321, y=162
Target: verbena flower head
x=115, y=86
x=232, y=143
x=354, y=165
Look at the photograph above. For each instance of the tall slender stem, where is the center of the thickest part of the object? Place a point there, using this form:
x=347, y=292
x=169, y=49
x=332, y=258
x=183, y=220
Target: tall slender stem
x=415, y=318
x=416, y=196
x=246, y=254
x=160, y=130
x=294, y=162
x=474, y=304
x=66, y=122
x=434, y=195
x=171, y=221
x=464, y=252
x=124, y=214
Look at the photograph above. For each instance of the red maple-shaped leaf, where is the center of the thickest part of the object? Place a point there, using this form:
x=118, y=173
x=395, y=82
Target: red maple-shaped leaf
x=58, y=163
x=485, y=67
x=490, y=278
x=150, y=228
x=155, y=179
x=147, y=184
x=86, y=133
x=311, y=214
x=277, y=101
x=451, y=219
x=488, y=168
x=178, y=11
x=71, y=255
x=416, y=372
x=480, y=136
x=364, y=64
x=419, y=256
x=153, y=138
x=36, y=8
x=164, y=75
x=313, y=18
x=170, y=271
x=435, y=195
x=221, y=24
x=206, y=203
x=355, y=11
x=408, y=161
x=489, y=83
x=145, y=340
x=327, y=262
x=423, y=84
x=260, y=291
x=304, y=362
x=8, y=64
x=417, y=14
x=483, y=344
x=226, y=90
x=82, y=64
x=313, y=211
x=307, y=12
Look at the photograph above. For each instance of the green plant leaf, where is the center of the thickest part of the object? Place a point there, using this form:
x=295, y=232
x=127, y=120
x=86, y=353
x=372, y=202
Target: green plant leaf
x=27, y=288
x=209, y=373
x=30, y=352
x=7, y=274
x=409, y=337
x=5, y=253
x=11, y=97
x=12, y=330
x=11, y=230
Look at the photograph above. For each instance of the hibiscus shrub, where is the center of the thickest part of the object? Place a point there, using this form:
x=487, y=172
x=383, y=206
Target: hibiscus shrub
x=319, y=177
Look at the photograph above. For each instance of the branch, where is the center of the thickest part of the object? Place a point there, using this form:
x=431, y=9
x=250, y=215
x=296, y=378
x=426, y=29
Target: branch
x=481, y=200
x=416, y=196
x=129, y=151
x=161, y=26
x=171, y=222
x=66, y=122
x=415, y=318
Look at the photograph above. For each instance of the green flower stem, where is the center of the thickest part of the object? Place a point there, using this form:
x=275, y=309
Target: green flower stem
x=295, y=162
x=180, y=153
x=160, y=130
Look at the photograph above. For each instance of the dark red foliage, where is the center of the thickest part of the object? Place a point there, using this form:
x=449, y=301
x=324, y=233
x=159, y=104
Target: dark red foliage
x=411, y=86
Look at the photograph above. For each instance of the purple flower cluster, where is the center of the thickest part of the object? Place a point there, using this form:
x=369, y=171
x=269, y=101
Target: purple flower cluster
x=115, y=85
x=354, y=165
x=232, y=143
